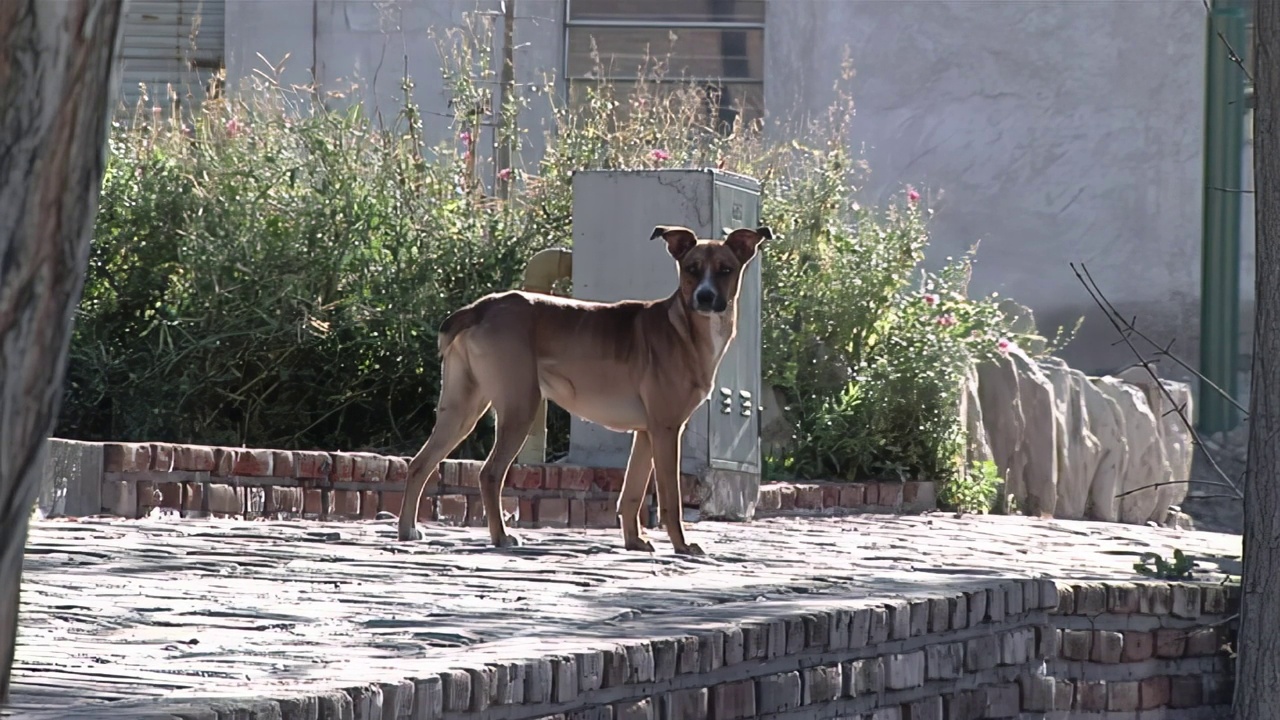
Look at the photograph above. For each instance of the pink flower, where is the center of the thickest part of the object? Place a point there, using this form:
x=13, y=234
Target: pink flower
x=233, y=127
x=1003, y=345
x=659, y=154
x=912, y=195
x=947, y=320
x=504, y=174
x=930, y=299
x=465, y=137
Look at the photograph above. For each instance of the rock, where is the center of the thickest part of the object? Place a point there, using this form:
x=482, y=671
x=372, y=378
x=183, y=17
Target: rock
x=1238, y=437
x=1146, y=464
x=1175, y=438
x=1017, y=404
x=1107, y=424
x=1039, y=447
x=1178, y=520
x=776, y=432
x=1079, y=451
x=1001, y=409
x=1023, y=322
x=977, y=447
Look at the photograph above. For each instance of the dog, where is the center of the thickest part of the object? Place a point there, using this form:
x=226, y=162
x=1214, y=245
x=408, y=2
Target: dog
x=632, y=366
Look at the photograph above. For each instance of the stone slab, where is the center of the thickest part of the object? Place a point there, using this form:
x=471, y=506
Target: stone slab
x=119, y=612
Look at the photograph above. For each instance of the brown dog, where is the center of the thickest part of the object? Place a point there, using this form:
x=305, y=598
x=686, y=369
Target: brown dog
x=639, y=366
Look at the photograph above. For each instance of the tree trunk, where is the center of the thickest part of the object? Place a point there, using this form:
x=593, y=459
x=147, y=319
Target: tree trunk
x=57, y=84
x=1257, y=691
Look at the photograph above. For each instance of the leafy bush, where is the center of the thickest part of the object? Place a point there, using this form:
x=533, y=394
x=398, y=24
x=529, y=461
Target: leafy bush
x=267, y=278
x=271, y=275
x=973, y=491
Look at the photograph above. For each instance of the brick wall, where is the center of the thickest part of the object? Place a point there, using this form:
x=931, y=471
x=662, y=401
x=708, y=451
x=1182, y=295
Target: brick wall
x=201, y=481
x=1024, y=648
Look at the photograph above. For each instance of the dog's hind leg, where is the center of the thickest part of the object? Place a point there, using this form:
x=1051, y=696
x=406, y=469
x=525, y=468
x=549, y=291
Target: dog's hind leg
x=634, y=484
x=461, y=406
x=507, y=373
x=515, y=418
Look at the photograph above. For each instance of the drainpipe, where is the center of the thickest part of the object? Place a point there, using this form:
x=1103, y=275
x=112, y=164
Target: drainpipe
x=542, y=272
x=1220, y=230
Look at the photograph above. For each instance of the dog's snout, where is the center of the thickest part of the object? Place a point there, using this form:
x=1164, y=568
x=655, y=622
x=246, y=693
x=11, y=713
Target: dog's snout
x=705, y=297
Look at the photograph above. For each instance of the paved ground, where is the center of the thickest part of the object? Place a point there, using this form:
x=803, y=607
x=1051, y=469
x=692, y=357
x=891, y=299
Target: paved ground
x=116, y=610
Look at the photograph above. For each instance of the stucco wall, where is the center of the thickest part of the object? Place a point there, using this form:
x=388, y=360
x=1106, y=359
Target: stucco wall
x=1054, y=132
x=1051, y=131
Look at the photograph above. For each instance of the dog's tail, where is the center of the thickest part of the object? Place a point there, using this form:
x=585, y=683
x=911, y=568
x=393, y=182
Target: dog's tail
x=460, y=320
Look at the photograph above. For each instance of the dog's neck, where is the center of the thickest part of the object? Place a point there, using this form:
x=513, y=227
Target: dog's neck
x=708, y=334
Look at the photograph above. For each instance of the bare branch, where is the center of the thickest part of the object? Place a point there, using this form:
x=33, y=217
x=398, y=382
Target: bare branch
x=1125, y=331
x=1164, y=483
x=1165, y=351
x=1234, y=57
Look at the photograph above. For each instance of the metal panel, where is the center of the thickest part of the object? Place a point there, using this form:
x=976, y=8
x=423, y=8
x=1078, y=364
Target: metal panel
x=171, y=43
x=613, y=259
x=734, y=425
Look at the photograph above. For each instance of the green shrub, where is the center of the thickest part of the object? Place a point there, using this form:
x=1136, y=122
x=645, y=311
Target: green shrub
x=973, y=491
x=271, y=276
x=272, y=279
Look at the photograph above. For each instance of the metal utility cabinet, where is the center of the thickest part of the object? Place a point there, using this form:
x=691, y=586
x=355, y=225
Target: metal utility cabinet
x=614, y=213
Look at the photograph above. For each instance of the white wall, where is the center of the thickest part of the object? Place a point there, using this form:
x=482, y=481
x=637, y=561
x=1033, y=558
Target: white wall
x=1054, y=131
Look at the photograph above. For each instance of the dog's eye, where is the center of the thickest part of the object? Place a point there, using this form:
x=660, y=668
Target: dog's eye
x=693, y=270
x=723, y=270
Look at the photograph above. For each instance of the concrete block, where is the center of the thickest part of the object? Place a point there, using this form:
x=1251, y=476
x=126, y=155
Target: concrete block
x=778, y=693
x=70, y=478
x=634, y=710
x=733, y=701
x=821, y=684
x=905, y=670
x=685, y=705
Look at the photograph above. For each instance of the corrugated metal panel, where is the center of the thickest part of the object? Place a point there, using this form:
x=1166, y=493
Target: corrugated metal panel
x=178, y=43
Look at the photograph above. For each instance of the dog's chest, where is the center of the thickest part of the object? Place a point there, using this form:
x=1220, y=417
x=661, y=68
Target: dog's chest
x=721, y=332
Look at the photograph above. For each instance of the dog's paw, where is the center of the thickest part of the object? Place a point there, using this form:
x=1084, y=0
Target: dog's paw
x=639, y=545
x=508, y=541
x=692, y=550
x=410, y=534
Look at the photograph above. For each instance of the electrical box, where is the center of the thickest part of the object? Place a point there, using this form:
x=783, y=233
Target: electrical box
x=614, y=213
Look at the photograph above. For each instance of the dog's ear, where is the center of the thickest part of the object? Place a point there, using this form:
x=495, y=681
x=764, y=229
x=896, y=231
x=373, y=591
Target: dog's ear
x=680, y=240
x=744, y=241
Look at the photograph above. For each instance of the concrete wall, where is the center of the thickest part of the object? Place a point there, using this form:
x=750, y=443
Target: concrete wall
x=1052, y=132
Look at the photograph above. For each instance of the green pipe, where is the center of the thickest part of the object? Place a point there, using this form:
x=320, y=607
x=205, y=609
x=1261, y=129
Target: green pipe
x=1220, y=230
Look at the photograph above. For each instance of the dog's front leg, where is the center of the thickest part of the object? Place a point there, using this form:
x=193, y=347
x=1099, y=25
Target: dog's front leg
x=634, y=485
x=666, y=466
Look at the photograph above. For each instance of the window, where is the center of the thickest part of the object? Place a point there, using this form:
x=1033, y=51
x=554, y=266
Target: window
x=718, y=44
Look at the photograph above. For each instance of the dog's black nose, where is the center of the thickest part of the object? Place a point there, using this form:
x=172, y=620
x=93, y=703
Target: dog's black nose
x=704, y=297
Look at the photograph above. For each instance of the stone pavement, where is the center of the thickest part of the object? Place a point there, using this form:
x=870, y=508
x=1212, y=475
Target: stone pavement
x=115, y=611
